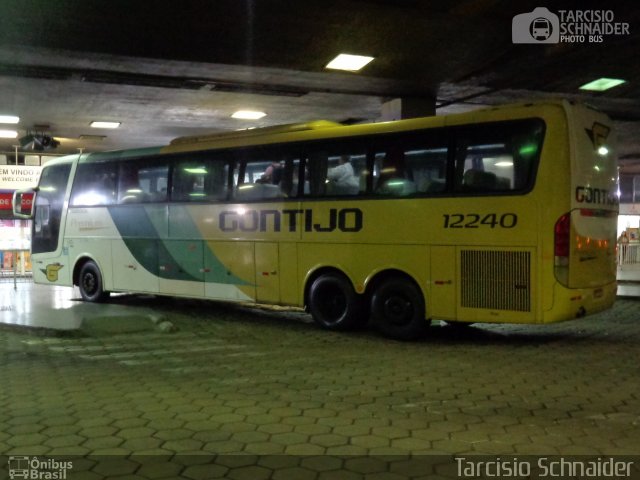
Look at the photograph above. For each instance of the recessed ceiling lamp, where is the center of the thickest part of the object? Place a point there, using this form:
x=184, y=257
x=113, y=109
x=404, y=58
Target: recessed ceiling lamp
x=602, y=84
x=8, y=134
x=100, y=124
x=90, y=138
x=350, y=63
x=9, y=119
x=248, y=115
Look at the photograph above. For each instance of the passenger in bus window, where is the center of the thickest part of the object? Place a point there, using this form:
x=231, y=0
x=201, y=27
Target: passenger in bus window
x=272, y=174
x=342, y=178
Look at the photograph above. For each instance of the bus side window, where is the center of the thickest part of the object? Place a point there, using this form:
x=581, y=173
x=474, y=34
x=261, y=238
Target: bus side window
x=199, y=180
x=343, y=176
x=256, y=180
x=391, y=176
x=428, y=169
x=94, y=184
x=498, y=158
x=141, y=182
x=484, y=167
x=316, y=174
x=339, y=172
x=290, y=177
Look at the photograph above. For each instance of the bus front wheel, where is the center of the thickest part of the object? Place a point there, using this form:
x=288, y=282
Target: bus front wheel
x=398, y=309
x=90, y=283
x=333, y=302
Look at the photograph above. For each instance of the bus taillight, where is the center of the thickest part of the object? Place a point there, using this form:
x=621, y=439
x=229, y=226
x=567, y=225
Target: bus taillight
x=562, y=248
x=562, y=240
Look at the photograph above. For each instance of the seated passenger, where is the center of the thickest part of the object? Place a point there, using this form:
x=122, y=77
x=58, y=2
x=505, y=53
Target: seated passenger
x=272, y=174
x=342, y=178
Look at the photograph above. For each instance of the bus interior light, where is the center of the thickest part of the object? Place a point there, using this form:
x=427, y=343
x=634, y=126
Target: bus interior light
x=492, y=146
x=528, y=149
x=603, y=150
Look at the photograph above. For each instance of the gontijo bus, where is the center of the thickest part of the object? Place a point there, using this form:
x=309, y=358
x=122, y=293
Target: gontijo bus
x=499, y=215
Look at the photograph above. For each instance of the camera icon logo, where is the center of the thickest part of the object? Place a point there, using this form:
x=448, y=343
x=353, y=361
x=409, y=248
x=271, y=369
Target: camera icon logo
x=538, y=26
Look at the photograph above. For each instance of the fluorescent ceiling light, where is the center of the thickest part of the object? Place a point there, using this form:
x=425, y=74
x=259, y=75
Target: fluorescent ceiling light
x=9, y=119
x=248, y=115
x=602, y=84
x=100, y=124
x=351, y=63
x=8, y=134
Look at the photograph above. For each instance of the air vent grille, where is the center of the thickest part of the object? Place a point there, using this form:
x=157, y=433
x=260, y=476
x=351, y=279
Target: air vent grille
x=496, y=280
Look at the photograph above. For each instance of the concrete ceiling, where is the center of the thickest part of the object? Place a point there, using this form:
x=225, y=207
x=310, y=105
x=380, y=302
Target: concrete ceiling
x=168, y=69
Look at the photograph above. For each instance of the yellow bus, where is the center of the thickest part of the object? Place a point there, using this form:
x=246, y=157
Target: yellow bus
x=506, y=214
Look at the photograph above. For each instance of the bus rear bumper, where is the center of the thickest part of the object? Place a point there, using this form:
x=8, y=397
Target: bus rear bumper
x=570, y=303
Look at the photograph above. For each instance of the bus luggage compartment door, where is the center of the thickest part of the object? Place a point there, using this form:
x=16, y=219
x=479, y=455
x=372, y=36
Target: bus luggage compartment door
x=181, y=267
x=135, y=265
x=267, y=274
x=442, y=302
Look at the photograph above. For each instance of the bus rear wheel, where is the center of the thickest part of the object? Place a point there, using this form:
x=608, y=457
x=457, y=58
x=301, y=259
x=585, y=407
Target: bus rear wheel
x=398, y=309
x=333, y=302
x=90, y=283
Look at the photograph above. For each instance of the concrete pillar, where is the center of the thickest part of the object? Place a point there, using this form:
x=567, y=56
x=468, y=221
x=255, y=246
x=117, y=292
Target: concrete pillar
x=408, y=107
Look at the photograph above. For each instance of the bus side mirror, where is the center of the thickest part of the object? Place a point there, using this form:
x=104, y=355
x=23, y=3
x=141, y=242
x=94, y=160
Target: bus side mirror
x=23, y=201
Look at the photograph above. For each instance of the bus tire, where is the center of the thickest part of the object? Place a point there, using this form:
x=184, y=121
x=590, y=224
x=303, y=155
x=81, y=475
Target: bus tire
x=333, y=303
x=90, y=283
x=397, y=309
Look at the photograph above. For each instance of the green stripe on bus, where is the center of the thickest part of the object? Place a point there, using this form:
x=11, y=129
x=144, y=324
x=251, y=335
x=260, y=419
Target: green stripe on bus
x=140, y=228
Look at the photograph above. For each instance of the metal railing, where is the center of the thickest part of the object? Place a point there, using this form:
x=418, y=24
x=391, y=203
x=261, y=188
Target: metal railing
x=629, y=254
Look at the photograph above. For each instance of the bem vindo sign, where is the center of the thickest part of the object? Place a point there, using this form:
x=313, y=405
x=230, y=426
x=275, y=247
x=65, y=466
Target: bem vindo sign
x=14, y=177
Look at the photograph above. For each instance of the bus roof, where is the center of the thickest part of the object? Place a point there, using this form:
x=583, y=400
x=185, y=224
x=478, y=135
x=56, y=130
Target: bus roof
x=316, y=130
x=256, y=132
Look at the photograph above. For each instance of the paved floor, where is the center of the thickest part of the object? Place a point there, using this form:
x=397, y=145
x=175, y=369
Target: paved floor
x=220, y=391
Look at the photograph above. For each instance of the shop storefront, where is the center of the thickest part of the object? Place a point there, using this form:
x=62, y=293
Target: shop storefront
x=15, y=243
x=15, y=234
x=629, y=242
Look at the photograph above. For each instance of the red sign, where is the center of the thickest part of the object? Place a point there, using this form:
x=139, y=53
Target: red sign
x=6, y=199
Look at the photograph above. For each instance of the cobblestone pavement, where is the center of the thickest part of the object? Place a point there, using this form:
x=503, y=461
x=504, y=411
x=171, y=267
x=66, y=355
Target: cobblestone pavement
x=233, y=380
